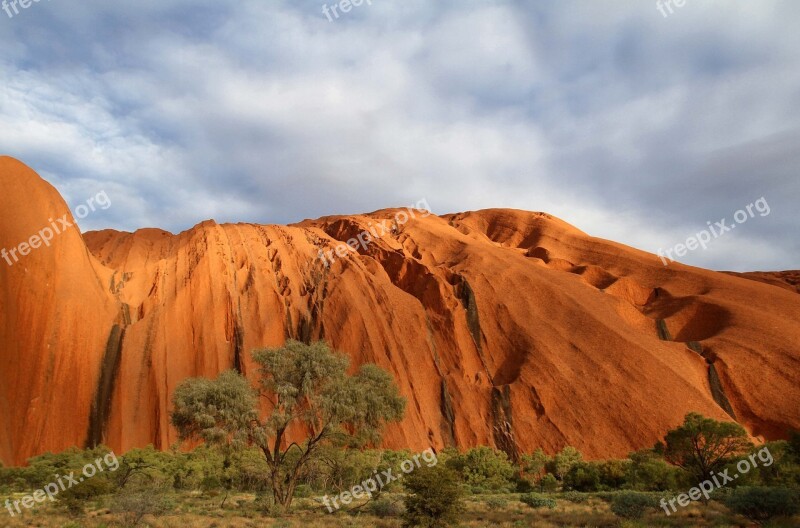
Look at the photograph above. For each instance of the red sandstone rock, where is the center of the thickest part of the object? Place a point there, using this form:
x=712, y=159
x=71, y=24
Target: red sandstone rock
x=502, y=327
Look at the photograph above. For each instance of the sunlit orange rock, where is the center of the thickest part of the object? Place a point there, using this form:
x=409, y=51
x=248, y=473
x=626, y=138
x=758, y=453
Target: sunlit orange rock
x=502, y=327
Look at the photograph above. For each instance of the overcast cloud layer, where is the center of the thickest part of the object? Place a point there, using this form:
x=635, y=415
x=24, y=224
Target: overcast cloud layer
x=627, y=124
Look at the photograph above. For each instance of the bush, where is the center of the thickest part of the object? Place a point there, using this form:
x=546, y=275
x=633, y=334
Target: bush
x=341, y=469
x=721, y=494
x=762, y=504
x=535, y=500
x=524, y=484
x=632, y=504
x=496, y=502
x=145, y=466
x=385, y=508
x=533, y=467
x=74, y=499
x=484, y=469
x=794, y=446
x=583, y=476
x=434, y=498
x=648, y=471
x=303, y=491
x=575, y=497
x=548, y=483
x=135, y=503
x=613, y=474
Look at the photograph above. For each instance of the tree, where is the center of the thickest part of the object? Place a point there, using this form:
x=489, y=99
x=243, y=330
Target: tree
x=548, y=483
x=533, y=466
x=583, y=476
x=434, y=498
x=563, y=462
x=308, y=390
x=703, y=446
x=613, y=474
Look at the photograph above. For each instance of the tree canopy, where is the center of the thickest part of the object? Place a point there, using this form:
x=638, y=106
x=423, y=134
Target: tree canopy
x=308, y=390
x=703, y=446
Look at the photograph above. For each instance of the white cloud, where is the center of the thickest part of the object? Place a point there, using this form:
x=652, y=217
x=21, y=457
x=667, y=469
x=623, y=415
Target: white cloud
x=608, y=115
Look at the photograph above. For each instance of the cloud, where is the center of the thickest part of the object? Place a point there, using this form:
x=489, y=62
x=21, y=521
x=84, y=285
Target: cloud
x=632, y=126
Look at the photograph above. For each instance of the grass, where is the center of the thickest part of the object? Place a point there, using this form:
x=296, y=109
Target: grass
x=198, y=510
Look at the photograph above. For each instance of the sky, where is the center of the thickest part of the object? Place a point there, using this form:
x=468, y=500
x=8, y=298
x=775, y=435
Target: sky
x=632, y=124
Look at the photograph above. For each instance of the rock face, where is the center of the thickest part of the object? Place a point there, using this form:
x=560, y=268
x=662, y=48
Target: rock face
x=502, y=327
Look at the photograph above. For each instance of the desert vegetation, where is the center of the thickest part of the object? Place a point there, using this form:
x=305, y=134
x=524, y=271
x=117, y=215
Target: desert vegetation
x=245, y=473
x=217, y=486
x=211, y=486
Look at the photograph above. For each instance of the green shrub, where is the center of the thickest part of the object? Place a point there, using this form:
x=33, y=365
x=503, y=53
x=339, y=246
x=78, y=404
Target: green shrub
x=211, y=483
x=385, y=508
x=613, y=473
x=721, y=494
x=341, y=469
x=762, y=504
x=496, y=502
x=648, y=471
x=524, y=484
x=303, y=491
x=434, y=498
x=782, y=472
x=548, y=483
x=583, y=476
x=484, y=469
x=794, y=446
x=575, y=497
x=532, y=468
x=535, y=500
x=133, y=504
x=562, y=462
x=145, y=466
x=75, y=499
x=632, y=504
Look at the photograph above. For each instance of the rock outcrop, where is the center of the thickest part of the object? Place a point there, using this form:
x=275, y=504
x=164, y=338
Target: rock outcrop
x=502, y=327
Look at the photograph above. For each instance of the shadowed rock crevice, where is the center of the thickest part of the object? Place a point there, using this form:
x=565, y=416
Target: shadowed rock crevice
x=448, y=415
x=536, y=403
x=467, y=297
x=503, y=422
x=238, y=346
x=235, y=333
x=663, y=331
x=718, y=392
x=109, y=370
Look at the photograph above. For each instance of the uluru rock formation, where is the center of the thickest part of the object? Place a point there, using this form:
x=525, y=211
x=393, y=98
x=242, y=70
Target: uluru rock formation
x=501, y=327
